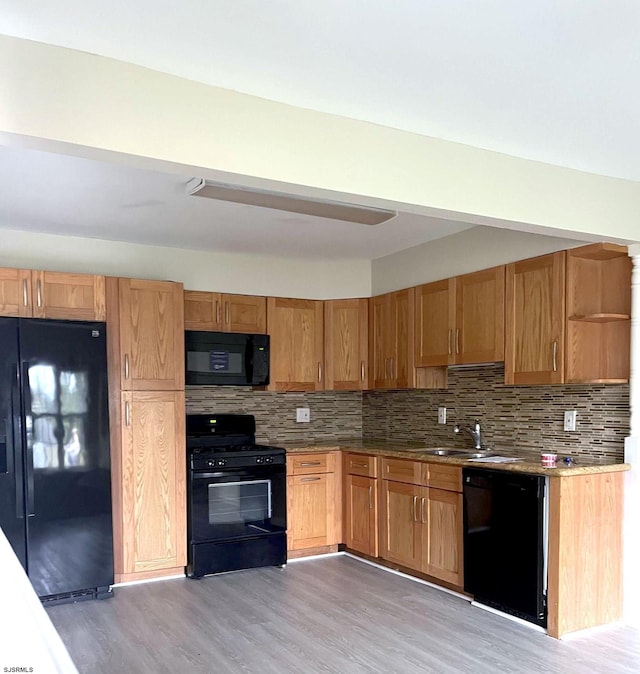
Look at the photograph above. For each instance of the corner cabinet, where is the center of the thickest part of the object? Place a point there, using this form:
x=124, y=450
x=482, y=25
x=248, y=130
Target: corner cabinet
x=535, y=320
x=46, y=294
x=218, y=312
x=391, y=335
x=314, y=503
x=145, y=340
x=297, y=344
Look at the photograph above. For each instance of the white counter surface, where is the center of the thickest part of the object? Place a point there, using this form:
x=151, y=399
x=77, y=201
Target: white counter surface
x=28, y=640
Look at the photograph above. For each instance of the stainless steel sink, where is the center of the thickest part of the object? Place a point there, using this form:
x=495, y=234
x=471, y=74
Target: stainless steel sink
x=479, y=454
x=442, y=451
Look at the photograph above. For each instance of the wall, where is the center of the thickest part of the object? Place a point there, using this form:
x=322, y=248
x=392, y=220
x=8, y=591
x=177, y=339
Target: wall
x=527, y=417
x=51, y=96
x=472, y=250
x=333, y=414
x=198, y=270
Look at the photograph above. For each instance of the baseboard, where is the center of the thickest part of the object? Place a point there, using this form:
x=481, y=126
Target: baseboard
x=508, y=616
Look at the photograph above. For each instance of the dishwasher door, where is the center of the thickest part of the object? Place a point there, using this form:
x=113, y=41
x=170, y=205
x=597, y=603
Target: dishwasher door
x=504, y=542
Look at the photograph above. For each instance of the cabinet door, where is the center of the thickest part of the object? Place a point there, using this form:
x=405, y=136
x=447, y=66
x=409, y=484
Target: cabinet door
x=151, y=511
x=381, y=338
x=296, y=330
x=479, y=334
x=434, y=323
x=346, y=345
x=534, y=332
x=244, y=313
x=441, y=514
x=361, y=514
x=310, y=511
x=15, y=292
x=151, y=335
x=401, y=528
x=402, y=353
x=73, y=297
x=202, y=311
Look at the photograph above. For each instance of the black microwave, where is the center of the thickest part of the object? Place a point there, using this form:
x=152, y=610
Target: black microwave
x=226, y=358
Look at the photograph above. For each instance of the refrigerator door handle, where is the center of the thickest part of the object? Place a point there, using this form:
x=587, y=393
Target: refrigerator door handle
x=13, y=447
x=26, y=396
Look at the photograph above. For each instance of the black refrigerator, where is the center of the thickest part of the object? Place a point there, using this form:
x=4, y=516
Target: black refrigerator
x=55, y=484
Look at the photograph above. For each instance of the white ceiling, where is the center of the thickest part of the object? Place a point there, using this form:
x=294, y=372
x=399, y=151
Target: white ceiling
x=552, y=80
x=57, y=194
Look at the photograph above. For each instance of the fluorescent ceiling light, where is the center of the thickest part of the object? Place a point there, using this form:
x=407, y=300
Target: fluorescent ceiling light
x=287, y=202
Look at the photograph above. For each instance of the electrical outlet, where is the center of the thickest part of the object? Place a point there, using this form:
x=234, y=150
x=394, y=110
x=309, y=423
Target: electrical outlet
x=442, y=415
x=303, y=415
x=570, y=420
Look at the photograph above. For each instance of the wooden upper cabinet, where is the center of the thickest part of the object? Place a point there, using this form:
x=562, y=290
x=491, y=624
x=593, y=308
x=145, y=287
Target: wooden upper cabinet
x=435, y=323
x=391, y=339
x=15, y=292
x=297, y=353
x=535, y=310
x=461, y=320
x=479, y=334
x=346, y=344
x=47, y=294
x=79, y=297
x=224, y=312
x=151, y=334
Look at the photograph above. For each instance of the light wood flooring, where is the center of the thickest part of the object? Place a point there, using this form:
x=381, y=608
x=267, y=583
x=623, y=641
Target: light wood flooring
x=334, y=614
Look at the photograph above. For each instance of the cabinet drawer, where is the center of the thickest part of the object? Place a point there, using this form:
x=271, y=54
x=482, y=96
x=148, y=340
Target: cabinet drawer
x=402, y=470
x=360, y=464
x=442, y=476
x=306, y=464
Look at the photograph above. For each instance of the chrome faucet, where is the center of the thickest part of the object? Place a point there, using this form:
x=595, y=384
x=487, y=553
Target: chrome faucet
x=473, y=432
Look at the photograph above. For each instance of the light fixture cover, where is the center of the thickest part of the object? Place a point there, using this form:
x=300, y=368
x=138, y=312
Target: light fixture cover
x=287, y=202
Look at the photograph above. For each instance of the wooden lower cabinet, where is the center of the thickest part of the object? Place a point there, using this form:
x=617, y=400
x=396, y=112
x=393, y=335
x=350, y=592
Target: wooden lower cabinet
x=314, y=502
x=443, y=551
x=361, y=514
x=149, y=478
x=401, y=530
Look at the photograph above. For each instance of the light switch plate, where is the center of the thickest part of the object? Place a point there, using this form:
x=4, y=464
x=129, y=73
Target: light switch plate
x=570, y=420
x=442, y=415
x=303, y=415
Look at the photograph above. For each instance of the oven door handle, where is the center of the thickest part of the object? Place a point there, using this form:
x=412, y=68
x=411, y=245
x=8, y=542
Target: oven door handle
x=208, y=476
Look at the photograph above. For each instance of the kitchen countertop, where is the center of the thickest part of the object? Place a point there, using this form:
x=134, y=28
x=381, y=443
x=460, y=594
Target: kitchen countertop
x=408, y=450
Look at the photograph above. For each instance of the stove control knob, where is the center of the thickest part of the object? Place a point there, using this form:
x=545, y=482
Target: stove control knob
x=259, y=459
x=268, y=459
x=211, y=462
x=222, y=462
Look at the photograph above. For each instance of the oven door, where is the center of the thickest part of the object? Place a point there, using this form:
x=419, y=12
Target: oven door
x=237, y=503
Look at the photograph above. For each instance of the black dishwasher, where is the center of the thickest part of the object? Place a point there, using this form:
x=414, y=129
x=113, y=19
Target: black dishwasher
x=504, y=542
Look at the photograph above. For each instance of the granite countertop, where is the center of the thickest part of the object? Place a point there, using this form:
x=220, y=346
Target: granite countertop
x=530, y=462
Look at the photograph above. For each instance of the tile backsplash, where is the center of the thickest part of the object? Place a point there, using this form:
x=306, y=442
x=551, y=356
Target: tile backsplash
x=527, y=417
x=334, y=414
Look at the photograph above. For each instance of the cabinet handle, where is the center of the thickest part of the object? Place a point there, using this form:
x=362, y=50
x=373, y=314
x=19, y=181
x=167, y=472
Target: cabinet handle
x=311, y=463
x=555, y=355
x=415, y=507
x=319, y=372
x=449, y=341
x=25, y=295
x=126, y=366
x=362, y=370
x=422, y=515
x=127, y=414
x=310, y=479
x=359, y=465
x=386, y=368
x=226, y=313
x=390, y=368
x=218, y=313
x=370, y=497
x=457, y=340
x=39, y=292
